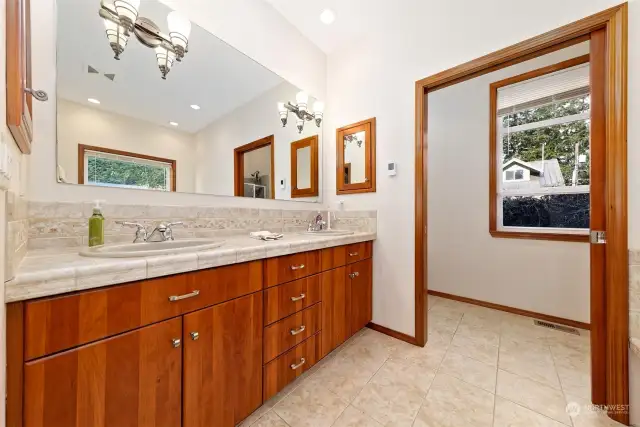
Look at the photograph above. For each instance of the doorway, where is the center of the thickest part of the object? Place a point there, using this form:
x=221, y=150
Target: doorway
x=254, y=171
x=607, y=35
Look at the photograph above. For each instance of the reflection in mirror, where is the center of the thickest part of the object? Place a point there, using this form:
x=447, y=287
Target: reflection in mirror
x=354, y=158
x=304, y=167
x=120, y=124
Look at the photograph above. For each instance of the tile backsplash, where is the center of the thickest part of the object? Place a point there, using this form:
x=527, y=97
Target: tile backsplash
x=16, y=232
x=60, y=225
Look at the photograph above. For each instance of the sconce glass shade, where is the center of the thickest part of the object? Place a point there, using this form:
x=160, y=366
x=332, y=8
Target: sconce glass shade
x=300, y=125
x=179, y=30
x=127, y=11
x=165, y=60
x=116, y=36
x=301, y=99
x=318, y=112
x=283, y=113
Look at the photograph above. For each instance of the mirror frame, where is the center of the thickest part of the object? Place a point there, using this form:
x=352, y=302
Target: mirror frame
x=369, y=186
x=311, y=142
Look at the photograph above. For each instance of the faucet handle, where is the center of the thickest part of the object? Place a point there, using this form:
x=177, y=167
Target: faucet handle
x=141, y=230
x=168, y=232
x=171, y=224
x=131, y=224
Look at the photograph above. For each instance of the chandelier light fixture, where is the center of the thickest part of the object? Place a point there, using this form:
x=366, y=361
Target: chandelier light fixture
x=121, y=19
x=300, y=110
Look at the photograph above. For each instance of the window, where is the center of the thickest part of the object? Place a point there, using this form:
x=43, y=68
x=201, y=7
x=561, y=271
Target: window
x=113, y=168
x=540, y=153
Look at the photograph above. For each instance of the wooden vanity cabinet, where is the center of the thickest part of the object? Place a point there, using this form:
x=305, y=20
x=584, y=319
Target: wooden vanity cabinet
x=198, y=349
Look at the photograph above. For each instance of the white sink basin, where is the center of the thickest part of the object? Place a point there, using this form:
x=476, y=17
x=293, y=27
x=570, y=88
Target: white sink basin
x=328, y=233
x=134, y=250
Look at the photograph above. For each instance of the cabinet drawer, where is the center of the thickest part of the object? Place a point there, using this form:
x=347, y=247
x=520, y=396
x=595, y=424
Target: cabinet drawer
x=343, y=255
x=291, y=331
x=291, y=267
x=358, y=251
x=60, y=323
x=286, y=368
x=284, y=300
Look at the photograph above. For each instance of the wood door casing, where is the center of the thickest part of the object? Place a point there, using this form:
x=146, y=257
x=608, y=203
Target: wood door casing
x=312, y=191
x=336, y=308
x=131, y=380
x=222, y=376
x=238, y=165
x=360, y=275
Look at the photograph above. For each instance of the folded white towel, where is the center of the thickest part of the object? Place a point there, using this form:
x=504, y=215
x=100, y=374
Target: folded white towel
x=265, y=235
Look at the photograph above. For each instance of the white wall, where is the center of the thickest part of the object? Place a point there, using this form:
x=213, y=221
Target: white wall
x=81, y=124
x=272, y=41
x=246, y=124
x=463, y=258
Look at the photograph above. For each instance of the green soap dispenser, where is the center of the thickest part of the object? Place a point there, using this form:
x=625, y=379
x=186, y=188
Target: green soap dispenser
x=96, y=225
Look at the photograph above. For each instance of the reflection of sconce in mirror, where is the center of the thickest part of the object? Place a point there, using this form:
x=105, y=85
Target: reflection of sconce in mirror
x=300, y=110
x=121, y=18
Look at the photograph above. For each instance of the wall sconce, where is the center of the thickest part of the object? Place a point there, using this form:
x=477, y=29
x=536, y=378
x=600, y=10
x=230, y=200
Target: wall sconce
x=121, y=19
x=300, y=110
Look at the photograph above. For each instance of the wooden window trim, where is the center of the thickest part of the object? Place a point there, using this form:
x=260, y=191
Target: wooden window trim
x=369, y=126
x=493, y=159
x=311, y=142
x=238, y=164
x=82, y=148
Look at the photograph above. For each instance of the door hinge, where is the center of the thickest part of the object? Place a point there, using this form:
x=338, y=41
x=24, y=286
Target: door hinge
x=598, y=237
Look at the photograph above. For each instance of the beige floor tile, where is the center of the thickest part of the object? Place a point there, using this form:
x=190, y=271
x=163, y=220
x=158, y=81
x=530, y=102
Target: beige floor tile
x=428, y=357
x=442, y=323
x=509, y=414
x=370, y=349
x=390, y=402
x=487, y=331
x=454, y=403
x=533, y=395
x=575, y=376
x=310, y=406
x=478, y=350
x=352, y=417
x=270, y=419
x=407, y=373
x=439, y=338
x=343, y=376
x=446, y=311
x=533, y=361
x=469, y=370
x=521, y=329
x=587, y=415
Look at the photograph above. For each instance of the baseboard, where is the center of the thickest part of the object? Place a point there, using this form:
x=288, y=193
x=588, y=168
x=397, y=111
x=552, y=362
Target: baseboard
x=513, y=310
x=392, y=333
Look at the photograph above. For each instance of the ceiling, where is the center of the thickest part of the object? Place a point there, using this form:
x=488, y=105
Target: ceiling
x=212, y=75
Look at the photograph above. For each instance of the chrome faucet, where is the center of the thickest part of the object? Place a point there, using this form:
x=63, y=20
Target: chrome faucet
x=316, y=223
x=163, y=232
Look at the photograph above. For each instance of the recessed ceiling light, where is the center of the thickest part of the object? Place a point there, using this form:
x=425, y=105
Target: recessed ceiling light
x=93, y=101
x=173, y=123
x=195, y=107
x=327, y=16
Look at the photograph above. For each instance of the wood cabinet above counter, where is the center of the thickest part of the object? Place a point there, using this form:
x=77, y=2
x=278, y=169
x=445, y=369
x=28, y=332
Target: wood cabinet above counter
x=168, y=351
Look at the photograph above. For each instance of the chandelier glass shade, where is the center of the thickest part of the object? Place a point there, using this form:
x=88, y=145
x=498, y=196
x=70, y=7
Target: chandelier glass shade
x=300, y=110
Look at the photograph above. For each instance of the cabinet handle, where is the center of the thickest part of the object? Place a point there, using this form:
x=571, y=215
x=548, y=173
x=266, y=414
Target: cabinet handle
x=194, y=336
x=299, y=330
x=174, y=298
x=297, y=267
x=302, y=296
x=354, y=253
x=175, y=343
x=353, y=275
x=302, y=362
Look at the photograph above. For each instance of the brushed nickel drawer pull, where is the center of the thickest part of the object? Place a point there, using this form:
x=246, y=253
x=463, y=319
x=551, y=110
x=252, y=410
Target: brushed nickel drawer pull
x=354, y=253
x=302, y=362
x=297, y=267
x=174, y=298
x=175, y=343
x=195, y=336
x=302, y=296
x=298, y=331
x=353, y=275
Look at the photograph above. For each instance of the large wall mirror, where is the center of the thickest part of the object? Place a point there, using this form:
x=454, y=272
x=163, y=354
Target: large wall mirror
x=182, y=111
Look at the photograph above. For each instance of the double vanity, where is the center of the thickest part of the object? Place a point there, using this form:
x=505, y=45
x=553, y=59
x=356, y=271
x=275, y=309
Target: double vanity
x=204, y=347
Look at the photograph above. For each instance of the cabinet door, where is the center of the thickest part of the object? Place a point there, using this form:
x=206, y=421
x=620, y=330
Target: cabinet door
x=336, y=309
x=360, y=275
x=223, y=363
x=131, y=380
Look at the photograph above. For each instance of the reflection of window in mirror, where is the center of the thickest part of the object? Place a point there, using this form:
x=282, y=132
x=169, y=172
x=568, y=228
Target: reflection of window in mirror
x=304, y=167
x=106, y=167
x=253, y=169
x=356, y=158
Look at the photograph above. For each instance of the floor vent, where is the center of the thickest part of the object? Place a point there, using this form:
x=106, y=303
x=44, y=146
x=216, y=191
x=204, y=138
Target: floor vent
x=560, y=328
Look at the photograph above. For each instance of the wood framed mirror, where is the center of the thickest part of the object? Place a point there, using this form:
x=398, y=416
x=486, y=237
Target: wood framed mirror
x=356, y=158
x=304, y=167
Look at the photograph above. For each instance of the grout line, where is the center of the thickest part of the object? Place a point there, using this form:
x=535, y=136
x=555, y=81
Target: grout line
x=495, y=390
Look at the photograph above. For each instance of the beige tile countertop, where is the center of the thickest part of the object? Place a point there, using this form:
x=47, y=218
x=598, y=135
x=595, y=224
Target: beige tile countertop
x=635, y=346
x=44, y=274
